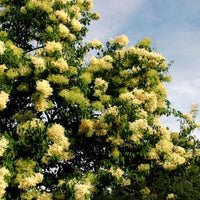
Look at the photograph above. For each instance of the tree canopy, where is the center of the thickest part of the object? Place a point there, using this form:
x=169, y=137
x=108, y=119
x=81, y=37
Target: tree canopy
x=74, y=128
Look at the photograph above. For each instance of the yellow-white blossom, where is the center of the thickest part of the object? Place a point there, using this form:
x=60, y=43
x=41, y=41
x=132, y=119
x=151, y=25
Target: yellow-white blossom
x=95, y=43
x=4, y=98
x=58, y=79
x=53, y=46
x=41, y=104
x=63, y=31
x=86, y=127
x=3, y=145
x=99, y=82
x=39, y=64
x=173, y=160
x=170, y=196
x=56, y=132
x=61, y=15
x=3, y=185
x=44, y=5
x=44, y=87
x=145, y=42
x=16, y=50
x=117, y=173
x=194, y=108
x=130, y=98
x=2, y=47
x=45, y=196
x=2, y=68
x=121, y=40
x=140, y=124
x=76, y=11
x=83, y=190
x=31, y=181
x=76, y=25
x=61, y=64
x=165, y=146
x=143, y=167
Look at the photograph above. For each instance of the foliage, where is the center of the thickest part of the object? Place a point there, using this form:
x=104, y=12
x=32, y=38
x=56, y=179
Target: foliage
x=72, y=129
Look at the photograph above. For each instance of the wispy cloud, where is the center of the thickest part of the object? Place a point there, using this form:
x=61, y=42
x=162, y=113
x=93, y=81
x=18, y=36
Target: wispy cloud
x=113, y=16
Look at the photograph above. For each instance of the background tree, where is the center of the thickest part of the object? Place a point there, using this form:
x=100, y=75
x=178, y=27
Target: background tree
x=77, y=130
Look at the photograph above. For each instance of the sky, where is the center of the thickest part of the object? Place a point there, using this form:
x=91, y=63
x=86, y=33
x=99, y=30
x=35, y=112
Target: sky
x=173, y=26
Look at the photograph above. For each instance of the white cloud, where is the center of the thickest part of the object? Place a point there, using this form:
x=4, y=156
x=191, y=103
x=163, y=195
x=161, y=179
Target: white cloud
x=113, y=15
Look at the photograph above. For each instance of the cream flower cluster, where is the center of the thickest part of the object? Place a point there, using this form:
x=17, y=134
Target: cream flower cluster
x=16, y=50
x=95, y=44
x=64, y=1
x=153, y=57
x=60, y=144
x=112, y=110
x=4, y=98
x=150, y=59
x=86, y=77
x=104, y=63
x=121, y=40
x=58, y=79
x=118, y=174
x=74, y=96
x=52, y=47
x=86, y=127
x=31, y=181
x=173, y=155
x=12, y=73
x=76, y=25
x=139, y=96
x=24, y=70
x=60, y=15
x=39, y=64
x=45, y=90
x=63, y=31
x=26, y=178
x=143, y=167
x=61, y=64
x=3, y=145
x=129, y=97
x=3, y=185
x=56, y=133
x=44, y=5
x=83, y=188
x=117, y=141
x=145, y=42
x=100, y=87
x=137, y=127
x=151, y=104
x=170, y=196
x=76, y=11
x=138, y=124
x=45, y=196
x=2, y=69
x=2, y=47
x=145, y=191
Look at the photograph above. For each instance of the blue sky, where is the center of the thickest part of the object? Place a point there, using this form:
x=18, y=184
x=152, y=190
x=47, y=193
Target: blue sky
x=173, y=26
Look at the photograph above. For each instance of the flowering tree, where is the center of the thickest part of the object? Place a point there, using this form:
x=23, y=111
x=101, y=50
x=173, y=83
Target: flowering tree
x=77, y=130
